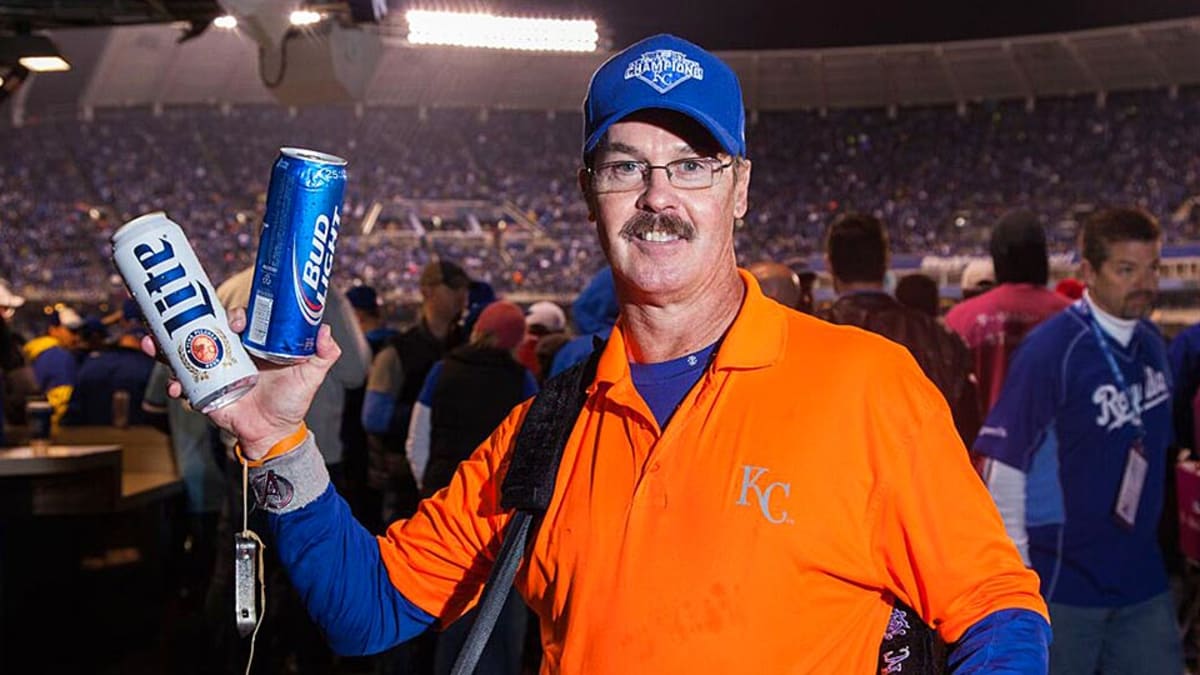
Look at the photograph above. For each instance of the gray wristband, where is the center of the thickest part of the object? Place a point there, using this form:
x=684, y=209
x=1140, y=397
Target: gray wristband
x=290, y=482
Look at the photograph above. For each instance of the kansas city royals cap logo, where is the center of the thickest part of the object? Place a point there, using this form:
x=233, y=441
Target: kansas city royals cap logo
x=664, y=69
x=666, y=72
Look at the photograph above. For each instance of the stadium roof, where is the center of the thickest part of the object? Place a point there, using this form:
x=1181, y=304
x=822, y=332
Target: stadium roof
x=841, y=54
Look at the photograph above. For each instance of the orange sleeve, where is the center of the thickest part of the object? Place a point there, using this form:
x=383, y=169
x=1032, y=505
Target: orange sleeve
x=937, y=532
x=440, y=558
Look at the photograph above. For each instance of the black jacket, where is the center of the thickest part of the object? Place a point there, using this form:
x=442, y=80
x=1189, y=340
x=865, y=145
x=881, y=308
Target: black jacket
x=941, y=353
x=418, y=349
x=475, y=391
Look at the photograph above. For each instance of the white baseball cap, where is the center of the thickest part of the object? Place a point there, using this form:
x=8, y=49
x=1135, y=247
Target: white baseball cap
x=977, y=274
x=547, y=315
x=8, y=298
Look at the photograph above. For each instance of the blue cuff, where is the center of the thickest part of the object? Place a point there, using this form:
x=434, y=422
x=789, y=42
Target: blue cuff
x=1007, y=642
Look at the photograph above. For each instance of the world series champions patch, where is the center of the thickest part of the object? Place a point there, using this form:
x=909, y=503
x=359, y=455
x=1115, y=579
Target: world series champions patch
x=664, y=69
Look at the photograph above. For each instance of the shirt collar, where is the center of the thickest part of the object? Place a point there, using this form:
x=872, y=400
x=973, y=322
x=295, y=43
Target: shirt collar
x=756, y=338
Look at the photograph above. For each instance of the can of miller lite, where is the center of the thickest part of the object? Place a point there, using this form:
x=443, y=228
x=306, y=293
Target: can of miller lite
x=177, y=299
x=295, y=255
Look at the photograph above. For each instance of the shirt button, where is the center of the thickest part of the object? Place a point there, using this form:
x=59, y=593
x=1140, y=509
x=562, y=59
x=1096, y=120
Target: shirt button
x=654, y=467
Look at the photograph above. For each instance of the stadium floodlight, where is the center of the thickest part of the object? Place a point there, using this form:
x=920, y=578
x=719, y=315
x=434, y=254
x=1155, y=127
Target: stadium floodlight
x=304, y=17
x=226, y=21
x=462, y=29
x=35, y=53
x=45, y=64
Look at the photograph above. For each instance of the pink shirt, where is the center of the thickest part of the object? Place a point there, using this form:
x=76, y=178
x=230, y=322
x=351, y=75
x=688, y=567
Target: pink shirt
x=994, y=323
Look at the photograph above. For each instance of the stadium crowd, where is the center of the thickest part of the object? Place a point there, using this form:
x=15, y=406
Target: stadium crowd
x=931, y=174
x=852, y=186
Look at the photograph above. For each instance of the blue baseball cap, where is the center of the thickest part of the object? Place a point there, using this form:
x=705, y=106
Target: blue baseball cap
x=363, y=297
x=670, y=73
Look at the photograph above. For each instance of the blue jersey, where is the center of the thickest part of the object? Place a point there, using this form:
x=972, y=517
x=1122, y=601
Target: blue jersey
x=1064, y=421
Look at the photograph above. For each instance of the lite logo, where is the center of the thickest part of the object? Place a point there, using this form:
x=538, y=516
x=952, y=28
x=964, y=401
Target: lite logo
x=664, y=69
x=755, y=486
x=180, y=301
x=317, y=265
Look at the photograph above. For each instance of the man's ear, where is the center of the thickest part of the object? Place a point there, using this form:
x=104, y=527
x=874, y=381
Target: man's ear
x=741, y=195
x=585, y=188
x=1087, y=273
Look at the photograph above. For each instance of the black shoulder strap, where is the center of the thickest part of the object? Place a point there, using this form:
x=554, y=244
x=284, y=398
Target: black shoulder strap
x=527, y=489
x=529, y=483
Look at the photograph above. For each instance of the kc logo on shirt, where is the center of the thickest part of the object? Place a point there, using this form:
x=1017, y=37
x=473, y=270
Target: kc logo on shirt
x=757, y=488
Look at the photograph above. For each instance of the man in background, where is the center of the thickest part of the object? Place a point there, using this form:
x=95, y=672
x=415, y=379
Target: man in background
x=856, y=253
x=1077, y=455
x=778, y=282
x=994, y=322
x=55, y=366
x=397, y=373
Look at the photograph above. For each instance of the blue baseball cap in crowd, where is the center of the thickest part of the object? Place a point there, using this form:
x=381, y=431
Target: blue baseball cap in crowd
x=130, y=310
x=363, y=297
x=670, y=73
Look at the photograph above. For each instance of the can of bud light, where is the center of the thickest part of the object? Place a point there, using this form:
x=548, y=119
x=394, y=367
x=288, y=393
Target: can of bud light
x=295, y=255
x=178, y=302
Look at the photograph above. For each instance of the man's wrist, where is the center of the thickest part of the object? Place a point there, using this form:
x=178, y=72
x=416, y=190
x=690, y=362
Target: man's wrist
x=254, y=453
x=291, y=481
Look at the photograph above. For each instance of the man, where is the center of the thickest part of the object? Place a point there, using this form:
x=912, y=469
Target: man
x=994, y=323
x=746, y=489
x=856, y=255
x=55, y=367
x=365, y=303
x=978, y=277
x=395, y=380
x=16, y=378
x=778, y=282
x=920, y=292
x=480, y=294
x=1078, y=444
x=121, y=367
x=543, y=319
x=808, y=280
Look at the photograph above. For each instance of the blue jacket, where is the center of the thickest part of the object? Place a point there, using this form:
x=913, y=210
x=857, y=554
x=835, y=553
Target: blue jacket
x=595, y=313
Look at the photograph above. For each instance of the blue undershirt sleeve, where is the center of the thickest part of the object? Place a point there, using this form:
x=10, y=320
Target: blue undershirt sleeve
x=336, y=566
x=430, y=384
x=1007, y=642
x=378, y=409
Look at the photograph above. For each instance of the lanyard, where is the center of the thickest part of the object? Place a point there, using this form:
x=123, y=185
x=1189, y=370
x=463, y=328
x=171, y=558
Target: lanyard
x=1116, y=370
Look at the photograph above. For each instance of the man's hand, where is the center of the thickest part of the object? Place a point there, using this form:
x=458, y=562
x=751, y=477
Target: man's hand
x=276, y=406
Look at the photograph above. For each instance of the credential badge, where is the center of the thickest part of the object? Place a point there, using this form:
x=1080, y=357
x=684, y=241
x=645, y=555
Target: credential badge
x=664, y=69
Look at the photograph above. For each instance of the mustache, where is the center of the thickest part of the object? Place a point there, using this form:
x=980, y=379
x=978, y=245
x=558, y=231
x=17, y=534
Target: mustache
x=1142, y=295
x=643, y=222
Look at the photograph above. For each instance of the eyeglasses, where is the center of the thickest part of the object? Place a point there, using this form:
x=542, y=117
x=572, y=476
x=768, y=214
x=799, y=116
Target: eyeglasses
x=691, y=173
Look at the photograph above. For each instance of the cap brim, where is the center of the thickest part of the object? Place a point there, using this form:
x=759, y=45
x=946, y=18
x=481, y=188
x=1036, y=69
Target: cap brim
x=727, y=142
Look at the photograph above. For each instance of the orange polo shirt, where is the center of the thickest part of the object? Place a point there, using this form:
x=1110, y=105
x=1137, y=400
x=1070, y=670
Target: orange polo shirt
x=811, y=475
